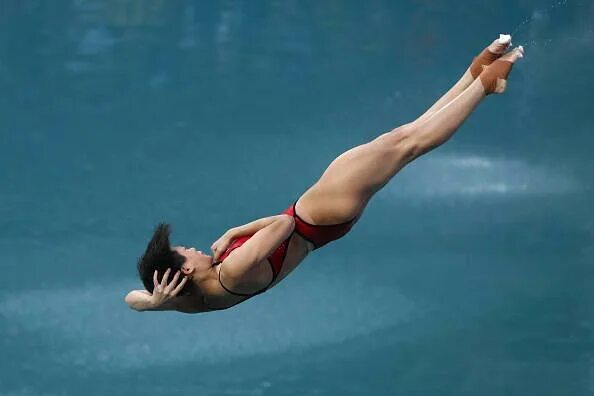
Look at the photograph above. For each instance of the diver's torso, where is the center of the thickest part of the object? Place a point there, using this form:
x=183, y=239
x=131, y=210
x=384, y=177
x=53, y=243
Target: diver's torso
x=216, y=297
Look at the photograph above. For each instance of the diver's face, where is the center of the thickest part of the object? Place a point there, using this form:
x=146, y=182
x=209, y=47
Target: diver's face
x=195, y=259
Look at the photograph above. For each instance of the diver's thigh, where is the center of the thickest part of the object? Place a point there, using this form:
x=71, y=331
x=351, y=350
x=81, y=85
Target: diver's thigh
x=363, y=170
x=351, y=180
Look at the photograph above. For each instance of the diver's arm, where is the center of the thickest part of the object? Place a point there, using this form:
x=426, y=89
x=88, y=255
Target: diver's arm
x=140, y=300
x=260, y=246
x=165, y=296
x=252, y=227
x=219, y=246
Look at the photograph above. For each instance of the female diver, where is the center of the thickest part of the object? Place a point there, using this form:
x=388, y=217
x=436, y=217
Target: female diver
x=252, y=258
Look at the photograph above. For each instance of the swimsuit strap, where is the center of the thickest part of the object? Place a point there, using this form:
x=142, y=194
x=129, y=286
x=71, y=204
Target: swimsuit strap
x=273, y=261
x=319, y=234
x=321, y=225
x=245, y=294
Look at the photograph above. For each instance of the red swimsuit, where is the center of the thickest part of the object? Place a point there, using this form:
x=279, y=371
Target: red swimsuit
x=318, y=235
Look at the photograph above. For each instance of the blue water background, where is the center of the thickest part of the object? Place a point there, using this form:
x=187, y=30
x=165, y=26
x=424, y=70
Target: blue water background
x=471, y=273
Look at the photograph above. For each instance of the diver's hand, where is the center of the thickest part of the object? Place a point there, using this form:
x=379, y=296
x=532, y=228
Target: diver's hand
x=220, y=245
x=163, y=291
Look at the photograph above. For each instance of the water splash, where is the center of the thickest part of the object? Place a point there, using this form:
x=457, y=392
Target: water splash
x=527, y=31
x=526, y=20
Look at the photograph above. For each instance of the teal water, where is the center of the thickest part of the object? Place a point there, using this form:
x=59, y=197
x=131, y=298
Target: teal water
x=470, y=273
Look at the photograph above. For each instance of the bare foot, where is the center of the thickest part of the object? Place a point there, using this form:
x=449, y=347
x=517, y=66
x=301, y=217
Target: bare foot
x=494, y=77
x=490, y=54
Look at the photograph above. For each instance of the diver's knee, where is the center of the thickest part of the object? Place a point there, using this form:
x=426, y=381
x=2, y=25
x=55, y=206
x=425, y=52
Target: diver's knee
x=404, y=142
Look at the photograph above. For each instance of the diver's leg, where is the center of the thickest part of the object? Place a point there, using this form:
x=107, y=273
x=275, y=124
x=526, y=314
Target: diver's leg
x=346, y=186
x=492, y=52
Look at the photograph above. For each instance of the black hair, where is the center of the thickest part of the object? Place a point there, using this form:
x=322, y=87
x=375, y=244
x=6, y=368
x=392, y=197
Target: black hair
x=159, y=256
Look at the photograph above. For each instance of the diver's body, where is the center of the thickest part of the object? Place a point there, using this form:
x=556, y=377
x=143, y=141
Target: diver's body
x=338, y=197
x=266, y=273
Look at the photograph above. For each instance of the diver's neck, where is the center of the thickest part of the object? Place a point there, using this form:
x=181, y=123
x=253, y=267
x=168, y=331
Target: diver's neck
x=204, y=276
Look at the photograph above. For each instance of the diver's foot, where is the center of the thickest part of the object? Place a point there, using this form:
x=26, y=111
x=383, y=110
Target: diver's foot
x=490, y=54
x=494, y=76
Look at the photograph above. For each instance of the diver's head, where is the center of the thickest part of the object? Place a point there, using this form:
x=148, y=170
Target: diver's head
x=160, y=255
